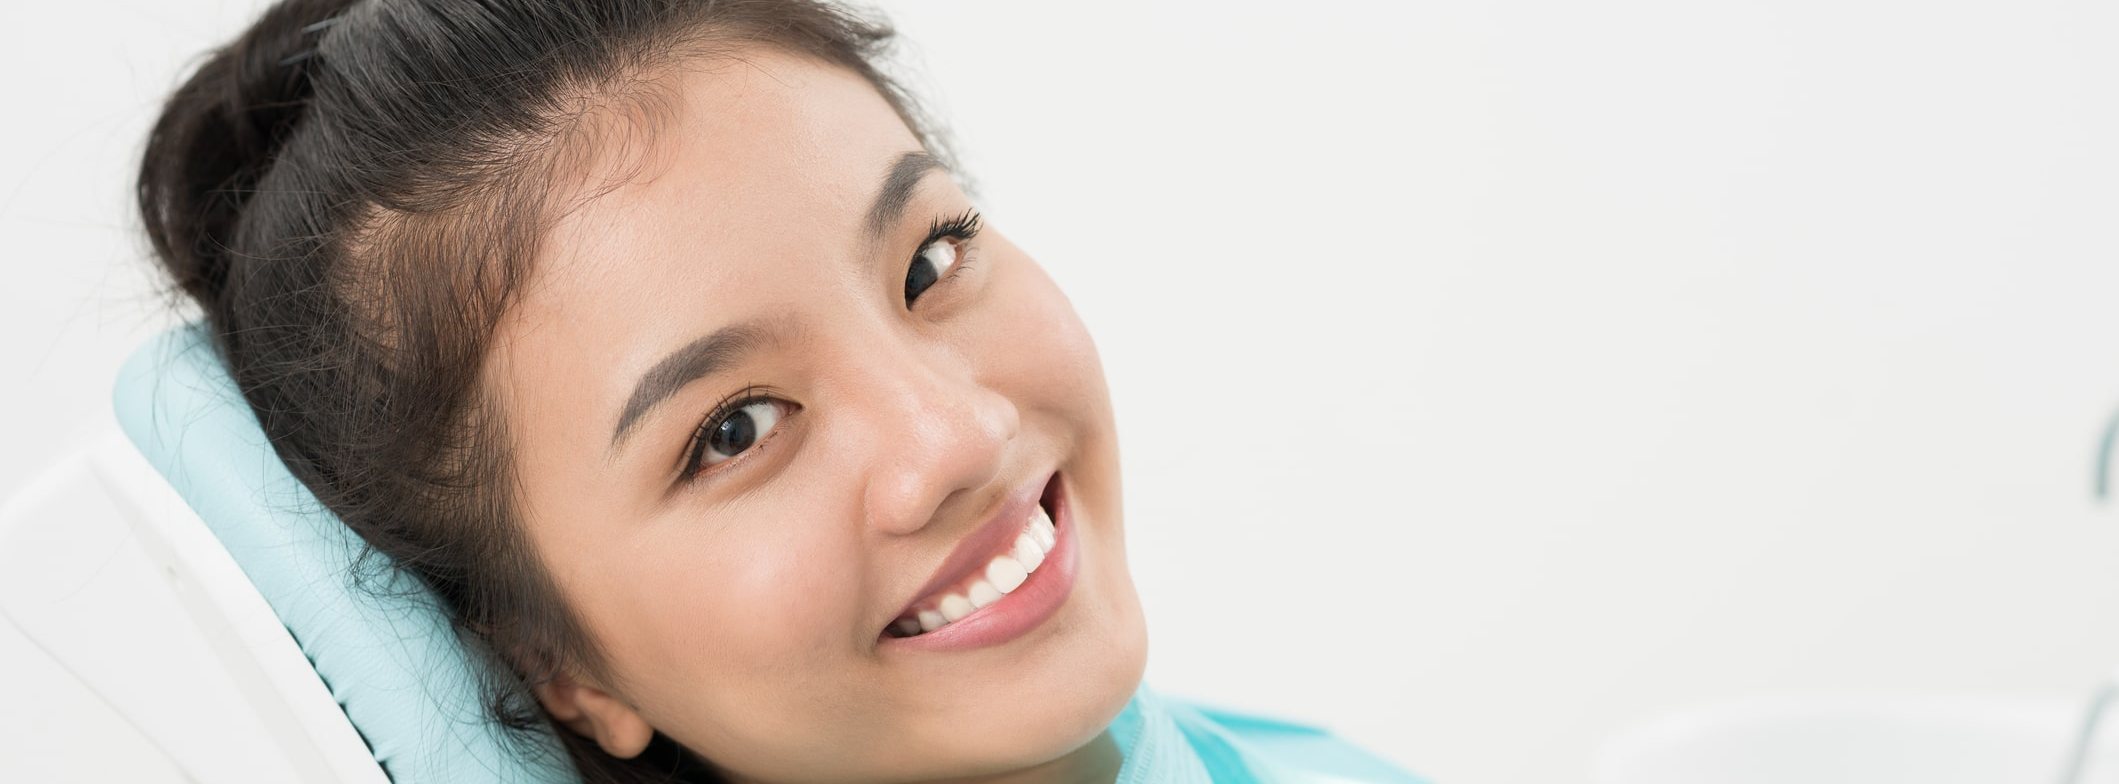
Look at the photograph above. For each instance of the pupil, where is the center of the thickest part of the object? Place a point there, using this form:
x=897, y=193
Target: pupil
x=918, y=278
x=735, y=434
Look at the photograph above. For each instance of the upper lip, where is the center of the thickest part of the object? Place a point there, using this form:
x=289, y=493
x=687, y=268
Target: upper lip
x=992, y=537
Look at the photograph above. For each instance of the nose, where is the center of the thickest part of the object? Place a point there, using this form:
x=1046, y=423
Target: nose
x=939, y=433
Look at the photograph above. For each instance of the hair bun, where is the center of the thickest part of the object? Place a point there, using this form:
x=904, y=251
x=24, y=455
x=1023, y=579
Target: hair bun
x=218, y=135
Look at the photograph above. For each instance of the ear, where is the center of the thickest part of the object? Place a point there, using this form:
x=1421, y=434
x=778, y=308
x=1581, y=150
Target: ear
x=595, y=714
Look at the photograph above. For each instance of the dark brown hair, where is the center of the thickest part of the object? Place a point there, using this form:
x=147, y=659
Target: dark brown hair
x=353, y=190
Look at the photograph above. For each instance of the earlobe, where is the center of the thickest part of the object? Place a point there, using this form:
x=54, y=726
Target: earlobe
x=594, y=713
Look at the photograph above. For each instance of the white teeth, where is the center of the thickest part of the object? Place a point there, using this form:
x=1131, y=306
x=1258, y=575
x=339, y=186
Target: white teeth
x=1006, y=574
x=983, y=593
x=1028, y=552
x=1041, y=527
x=955, y=606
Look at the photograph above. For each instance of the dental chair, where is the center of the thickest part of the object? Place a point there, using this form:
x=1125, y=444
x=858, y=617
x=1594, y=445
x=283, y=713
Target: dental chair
x=178, y=569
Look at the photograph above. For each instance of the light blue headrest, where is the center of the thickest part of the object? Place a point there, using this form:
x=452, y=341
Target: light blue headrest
x=402, y=677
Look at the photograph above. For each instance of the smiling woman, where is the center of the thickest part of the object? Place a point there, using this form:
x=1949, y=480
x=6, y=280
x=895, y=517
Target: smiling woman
x=659, y=340
x=833, y=402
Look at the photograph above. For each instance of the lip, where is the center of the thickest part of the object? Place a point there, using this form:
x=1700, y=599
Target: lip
x=991, y=538
x=1022, y=609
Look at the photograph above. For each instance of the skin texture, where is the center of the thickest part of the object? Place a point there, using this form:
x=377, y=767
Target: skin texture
x=740, y=612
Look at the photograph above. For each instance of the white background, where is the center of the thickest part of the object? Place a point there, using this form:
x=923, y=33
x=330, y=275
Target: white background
x=1491, y=375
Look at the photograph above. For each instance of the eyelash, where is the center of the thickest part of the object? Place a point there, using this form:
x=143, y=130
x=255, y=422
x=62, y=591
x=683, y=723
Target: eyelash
x=962, y=228
x=695, y=452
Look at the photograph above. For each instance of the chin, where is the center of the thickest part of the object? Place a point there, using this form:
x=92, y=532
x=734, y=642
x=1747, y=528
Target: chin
x=1095, y=673
x=1026, y=729
x=1075, y=685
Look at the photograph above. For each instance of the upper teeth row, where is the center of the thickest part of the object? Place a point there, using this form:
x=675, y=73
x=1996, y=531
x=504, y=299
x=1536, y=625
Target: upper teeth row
x=1003, y=574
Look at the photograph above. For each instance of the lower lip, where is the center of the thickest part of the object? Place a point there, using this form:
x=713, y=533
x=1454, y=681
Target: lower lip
x=1022, y=609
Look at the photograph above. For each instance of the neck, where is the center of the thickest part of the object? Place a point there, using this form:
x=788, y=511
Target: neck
x=1096, y=762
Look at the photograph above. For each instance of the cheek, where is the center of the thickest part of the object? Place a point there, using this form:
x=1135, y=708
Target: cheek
x=733, y=600
x=1040, y=346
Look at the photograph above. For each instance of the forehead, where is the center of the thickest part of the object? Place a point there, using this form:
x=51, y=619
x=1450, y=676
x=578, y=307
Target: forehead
x=728, y=165
x=729, y=145
x=740, y=194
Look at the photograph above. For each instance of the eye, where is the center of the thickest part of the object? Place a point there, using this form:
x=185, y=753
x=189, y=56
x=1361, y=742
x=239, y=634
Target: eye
x=928, y=267
x=941, y=254
x=727, y=435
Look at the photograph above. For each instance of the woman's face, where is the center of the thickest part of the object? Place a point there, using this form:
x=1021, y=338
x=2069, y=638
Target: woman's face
x=767, y=401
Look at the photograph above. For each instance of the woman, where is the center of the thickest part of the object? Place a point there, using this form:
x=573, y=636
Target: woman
x=657, y=338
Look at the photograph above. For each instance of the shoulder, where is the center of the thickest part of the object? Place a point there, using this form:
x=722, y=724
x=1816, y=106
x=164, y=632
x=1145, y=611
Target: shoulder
x=1303, y=752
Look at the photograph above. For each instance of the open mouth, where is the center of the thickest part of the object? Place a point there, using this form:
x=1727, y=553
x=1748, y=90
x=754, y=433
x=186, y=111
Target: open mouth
x=1020, y=556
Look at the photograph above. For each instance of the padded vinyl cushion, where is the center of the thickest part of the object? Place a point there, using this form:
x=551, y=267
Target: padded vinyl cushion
x=403, y=678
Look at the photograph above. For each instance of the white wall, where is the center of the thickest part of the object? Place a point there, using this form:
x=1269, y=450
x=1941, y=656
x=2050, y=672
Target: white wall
x=1491, y=375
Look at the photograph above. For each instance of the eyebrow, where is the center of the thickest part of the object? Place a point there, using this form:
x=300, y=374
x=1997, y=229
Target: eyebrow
x=696, y=360
x=897, y=189
x=729, y=345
